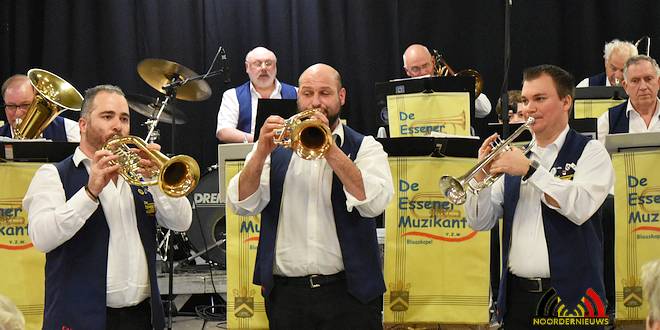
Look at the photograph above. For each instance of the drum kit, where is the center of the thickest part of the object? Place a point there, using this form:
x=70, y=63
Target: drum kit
x=206, y=236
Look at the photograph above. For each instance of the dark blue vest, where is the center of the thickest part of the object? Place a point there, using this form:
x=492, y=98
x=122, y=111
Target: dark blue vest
x=357, y=235
x=575, y=252
x=597, y=80
x=619, y=121
x=55, y=131
x=245, y=104
x=76, y=271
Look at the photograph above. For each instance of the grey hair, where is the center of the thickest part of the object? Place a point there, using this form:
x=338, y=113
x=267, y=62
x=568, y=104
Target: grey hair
x=635, y=60
x=251, y=53
x=619, y=46
x=90, y=95
x=651, y=287
x=10, y=80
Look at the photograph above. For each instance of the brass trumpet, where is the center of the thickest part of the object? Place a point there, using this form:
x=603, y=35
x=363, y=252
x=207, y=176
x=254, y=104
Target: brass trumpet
x=442, y=69
x=54, y=95
x=455, y=188
x=307, y=136
x=176, y=176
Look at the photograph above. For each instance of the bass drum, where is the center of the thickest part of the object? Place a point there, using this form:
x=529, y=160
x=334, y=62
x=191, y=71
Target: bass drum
x=208, y=220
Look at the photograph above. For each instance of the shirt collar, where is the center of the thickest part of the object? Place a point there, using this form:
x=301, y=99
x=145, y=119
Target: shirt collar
x=277, y=90
x=79, y=156
x=557, y=143
x=630, y=107
x=339, y=132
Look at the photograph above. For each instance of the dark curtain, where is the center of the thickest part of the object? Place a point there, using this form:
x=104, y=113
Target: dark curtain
x=96, y=42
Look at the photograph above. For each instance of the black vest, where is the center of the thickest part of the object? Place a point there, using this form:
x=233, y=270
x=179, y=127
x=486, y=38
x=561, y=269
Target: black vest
x=598, y=80
x=76, y=271
x=618, y=119
x=575, y=252
x=357, y=235
x=55, y=131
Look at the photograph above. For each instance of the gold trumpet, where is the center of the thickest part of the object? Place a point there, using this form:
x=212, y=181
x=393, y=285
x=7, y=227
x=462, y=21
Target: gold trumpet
x=176, y=176
x=307, y=136
x=442, y=69
x=455, y=188
x=54, y=95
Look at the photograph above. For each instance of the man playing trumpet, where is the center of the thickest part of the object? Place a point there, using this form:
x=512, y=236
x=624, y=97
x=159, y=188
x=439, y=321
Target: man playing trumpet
x=99, y=233
x=317, y=240
x=552, y=236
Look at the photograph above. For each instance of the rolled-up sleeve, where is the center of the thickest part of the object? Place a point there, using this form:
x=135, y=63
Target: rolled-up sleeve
x=376, y=178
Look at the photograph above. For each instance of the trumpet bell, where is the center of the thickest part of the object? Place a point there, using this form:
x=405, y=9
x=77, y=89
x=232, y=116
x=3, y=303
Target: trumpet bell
x=453, y=190
x=309, y=138
x=177, y=176
x=53, y=96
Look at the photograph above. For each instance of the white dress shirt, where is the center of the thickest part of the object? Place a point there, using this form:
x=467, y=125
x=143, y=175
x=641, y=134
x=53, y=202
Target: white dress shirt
x=636, y=122
x=482, y=106
x=579, y=199
x=307, y=240
x=53, y=220
x=228, y=113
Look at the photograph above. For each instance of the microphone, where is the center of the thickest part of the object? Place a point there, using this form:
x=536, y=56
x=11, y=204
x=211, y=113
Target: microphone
x=225, y=65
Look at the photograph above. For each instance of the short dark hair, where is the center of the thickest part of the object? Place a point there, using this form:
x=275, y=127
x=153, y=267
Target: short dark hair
x=564, y=81
x=91, y=93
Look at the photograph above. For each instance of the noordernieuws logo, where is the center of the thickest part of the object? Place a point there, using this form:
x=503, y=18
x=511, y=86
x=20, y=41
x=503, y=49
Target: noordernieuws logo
x=551, y=311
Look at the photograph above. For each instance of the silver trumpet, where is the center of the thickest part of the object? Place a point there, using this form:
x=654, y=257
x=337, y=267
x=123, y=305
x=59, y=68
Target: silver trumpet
x=455, y=188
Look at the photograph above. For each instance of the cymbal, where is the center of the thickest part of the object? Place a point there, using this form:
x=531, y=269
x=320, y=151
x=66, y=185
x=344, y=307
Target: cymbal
x=158, y=73
x=148, y=107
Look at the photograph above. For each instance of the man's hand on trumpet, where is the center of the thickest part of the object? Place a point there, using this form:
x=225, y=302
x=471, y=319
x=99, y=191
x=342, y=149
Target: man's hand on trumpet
x=147, y=167
x=512, y=162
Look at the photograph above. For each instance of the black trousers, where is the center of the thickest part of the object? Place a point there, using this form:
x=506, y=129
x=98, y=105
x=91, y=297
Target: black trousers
x=136, y=317
x=294, y=304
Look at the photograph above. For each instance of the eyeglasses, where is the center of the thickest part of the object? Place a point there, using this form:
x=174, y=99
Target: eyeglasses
x=418, y=69
x=258, y=64
x=14, y=107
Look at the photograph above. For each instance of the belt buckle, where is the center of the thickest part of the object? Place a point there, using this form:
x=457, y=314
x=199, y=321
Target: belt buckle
x=539, y=285
x=311, y=282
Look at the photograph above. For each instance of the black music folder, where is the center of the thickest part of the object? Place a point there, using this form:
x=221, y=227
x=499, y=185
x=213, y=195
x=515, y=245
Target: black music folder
x=36, y=151
x=600, y=92
x=431, y=146
x=267, y=107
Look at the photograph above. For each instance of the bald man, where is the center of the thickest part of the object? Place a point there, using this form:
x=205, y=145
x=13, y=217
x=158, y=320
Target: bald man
x=418, y=62
x=17, y=94
x=317, y=241
x=238, y=110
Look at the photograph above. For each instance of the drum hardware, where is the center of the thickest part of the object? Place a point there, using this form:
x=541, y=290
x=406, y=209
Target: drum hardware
x=648, y=44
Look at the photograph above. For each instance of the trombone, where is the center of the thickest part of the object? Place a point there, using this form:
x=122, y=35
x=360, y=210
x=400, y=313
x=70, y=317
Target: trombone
x=455, y=188
x=442, y=69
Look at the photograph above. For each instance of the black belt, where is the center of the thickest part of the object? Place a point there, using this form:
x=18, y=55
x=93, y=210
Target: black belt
x=311, y=281
x=535, y=285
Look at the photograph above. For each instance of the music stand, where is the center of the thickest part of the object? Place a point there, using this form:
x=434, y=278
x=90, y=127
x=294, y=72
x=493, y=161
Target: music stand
x=418, y=85
x=591, y=102
x=634, y=141
x=284, y=108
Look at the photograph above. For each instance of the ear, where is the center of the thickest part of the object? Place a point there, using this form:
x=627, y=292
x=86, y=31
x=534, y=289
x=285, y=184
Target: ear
x=82, y=124
x=567, y=103
x=342, y=95
x=247, y=66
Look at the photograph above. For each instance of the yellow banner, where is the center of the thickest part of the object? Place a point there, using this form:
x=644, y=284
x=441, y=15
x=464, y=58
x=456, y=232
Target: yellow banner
x=436, y=266
x=593, y=108
x=245, y=305
x=422, y=113
x=637, y=227
x=22, y=278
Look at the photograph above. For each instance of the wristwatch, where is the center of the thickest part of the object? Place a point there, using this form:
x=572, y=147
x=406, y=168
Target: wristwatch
x=533, y=165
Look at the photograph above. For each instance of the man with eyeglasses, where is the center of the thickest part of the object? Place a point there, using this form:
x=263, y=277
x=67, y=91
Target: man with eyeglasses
x=17, y=95
x=418, y=62
x=238, y=110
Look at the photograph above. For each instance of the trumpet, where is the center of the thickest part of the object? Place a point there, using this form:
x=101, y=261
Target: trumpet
x=455, y=188
x=442, y=69
x=307, y=136
x=176, y=176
